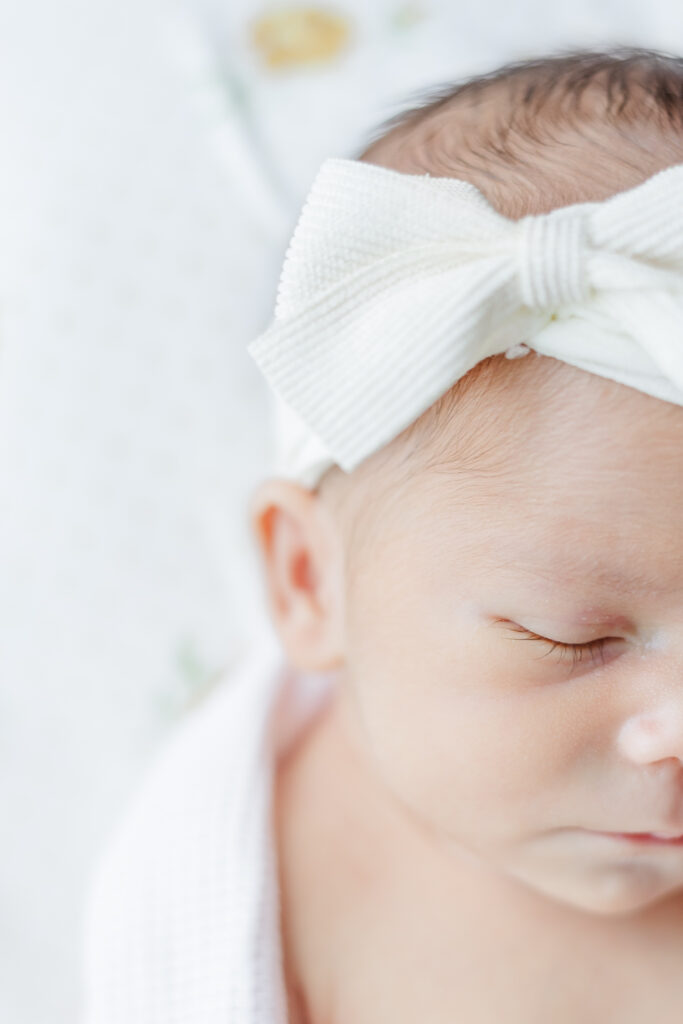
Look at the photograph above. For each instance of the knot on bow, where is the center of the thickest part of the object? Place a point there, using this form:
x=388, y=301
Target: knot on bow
x=552, y=260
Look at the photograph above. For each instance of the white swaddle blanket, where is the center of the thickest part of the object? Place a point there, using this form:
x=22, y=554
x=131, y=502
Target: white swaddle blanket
x=182, y=921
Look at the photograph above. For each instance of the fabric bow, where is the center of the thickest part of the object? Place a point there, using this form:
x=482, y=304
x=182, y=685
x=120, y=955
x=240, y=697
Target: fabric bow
x=395, y=285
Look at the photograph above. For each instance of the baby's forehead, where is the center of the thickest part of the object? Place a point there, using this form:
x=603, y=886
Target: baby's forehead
x=532, y=442
x=581, y=494
x=547, y=418
x=511, y=413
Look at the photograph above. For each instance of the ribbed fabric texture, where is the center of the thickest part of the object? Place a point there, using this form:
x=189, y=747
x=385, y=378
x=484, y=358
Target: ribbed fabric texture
x=183, y=912
x=395, y=285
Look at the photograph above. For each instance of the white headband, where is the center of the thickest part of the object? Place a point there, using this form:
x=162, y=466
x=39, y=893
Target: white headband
x=395, y=285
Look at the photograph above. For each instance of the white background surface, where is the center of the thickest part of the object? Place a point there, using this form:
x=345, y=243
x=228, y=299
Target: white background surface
x=152, y=167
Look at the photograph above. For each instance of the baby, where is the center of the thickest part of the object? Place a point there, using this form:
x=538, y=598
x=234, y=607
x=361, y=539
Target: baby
x=453, y=830
x=480, y=824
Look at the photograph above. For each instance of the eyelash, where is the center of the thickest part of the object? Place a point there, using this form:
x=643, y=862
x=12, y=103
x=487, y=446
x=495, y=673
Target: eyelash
x=576, y=649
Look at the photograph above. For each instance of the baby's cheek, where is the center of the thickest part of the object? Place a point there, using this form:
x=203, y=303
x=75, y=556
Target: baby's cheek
x=466, y=764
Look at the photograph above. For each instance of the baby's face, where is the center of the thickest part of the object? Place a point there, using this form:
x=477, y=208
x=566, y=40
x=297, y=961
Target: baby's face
x=524, y=750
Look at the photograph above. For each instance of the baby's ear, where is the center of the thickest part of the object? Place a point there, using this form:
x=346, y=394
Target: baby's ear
x=301, y=552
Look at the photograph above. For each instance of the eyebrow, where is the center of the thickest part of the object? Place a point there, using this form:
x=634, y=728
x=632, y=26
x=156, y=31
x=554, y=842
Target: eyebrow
x=569, y=574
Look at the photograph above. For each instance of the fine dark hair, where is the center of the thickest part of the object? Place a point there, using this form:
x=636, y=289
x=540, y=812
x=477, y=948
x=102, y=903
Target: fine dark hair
x=634, y=80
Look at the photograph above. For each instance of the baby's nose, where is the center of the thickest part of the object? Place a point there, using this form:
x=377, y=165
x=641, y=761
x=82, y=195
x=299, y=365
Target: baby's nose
x=654, y=735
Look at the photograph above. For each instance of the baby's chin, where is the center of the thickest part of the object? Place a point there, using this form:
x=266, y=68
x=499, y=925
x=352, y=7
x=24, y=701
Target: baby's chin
x=591, y=877
x=625, y=895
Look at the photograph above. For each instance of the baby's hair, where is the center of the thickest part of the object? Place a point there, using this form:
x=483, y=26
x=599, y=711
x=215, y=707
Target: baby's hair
x=575, y=126
x=507, y=117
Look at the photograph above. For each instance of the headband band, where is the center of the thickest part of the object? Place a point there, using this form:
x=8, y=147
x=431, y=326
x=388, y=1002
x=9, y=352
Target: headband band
x=395, y=285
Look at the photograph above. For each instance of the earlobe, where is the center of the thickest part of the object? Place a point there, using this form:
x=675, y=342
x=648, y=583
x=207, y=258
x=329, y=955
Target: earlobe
x=298, y=555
